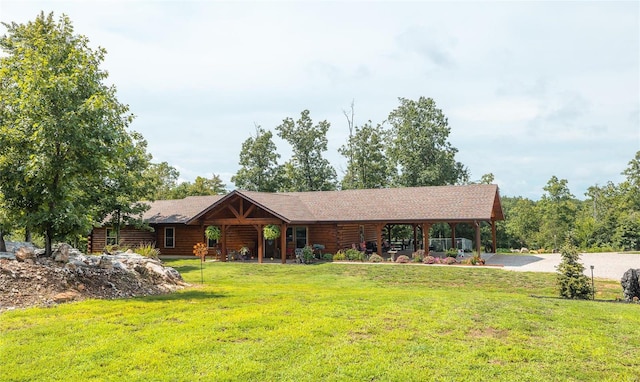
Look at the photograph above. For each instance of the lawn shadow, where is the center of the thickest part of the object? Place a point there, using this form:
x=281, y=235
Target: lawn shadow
x=513, y=260
x=186, y=268
x=578, y=299
x=185, y=294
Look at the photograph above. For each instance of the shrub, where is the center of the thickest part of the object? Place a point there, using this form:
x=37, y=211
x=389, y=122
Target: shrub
x=339, y=256
x=572, y=282
x=115, y=248
x=418, y=255
x=147, y=250
x=448, y=260
x=603, y=248
x=327, y=257
x=307, y=254
x=429, y=260
x=354, y=255
x=375, y=258
x=452, y=252
x=403, y=259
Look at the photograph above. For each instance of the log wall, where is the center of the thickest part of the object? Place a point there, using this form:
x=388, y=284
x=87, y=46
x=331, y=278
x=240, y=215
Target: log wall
x=129, y=237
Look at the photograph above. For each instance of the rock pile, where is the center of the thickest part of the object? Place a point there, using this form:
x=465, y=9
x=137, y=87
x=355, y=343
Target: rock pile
x=631, y=284
x=28, y=278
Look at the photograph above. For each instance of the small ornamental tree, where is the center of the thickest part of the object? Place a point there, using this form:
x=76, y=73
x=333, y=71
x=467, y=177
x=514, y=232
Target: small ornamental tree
x=572, y=282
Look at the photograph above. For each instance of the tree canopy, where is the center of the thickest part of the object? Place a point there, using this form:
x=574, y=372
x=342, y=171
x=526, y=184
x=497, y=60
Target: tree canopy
x=259, y=169
x=307, y=170
x=64, y=134
x=419, y=148
x=368, y=165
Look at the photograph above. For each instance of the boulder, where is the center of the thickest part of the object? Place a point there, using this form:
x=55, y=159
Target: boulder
x=24, y=253
x=67, y=296
x=631, y=284
x=61, y=254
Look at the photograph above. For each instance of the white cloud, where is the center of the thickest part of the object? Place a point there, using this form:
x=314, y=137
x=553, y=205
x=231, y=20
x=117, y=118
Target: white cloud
x=531, y=89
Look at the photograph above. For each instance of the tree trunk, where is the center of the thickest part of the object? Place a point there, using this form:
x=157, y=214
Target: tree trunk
x=3, y=245
x=47, y=243
x=27, y=234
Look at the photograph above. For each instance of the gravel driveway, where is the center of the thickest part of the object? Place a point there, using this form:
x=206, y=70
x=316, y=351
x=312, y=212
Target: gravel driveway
x=605, y=265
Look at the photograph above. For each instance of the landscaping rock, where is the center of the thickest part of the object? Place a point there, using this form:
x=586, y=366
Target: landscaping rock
x=631, y=284
x=25, y=253
x=61, y=253
x=69, y=275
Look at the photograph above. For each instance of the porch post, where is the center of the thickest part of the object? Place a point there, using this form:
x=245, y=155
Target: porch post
x=379, y=238
x=224, y=242
x=453, y=234
x=415, y=238
x=260, y=244
x=477, y=226
x=494, y=238
x=426, y=227
x=283, y=243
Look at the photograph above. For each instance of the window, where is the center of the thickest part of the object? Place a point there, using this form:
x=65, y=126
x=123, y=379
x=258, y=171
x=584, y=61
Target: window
x=212, y=243
x=298, y=236
x=112, y=236
x=169, y=237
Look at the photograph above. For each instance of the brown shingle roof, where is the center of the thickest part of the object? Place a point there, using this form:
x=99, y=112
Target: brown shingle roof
x=179, y=210
x=443, y=203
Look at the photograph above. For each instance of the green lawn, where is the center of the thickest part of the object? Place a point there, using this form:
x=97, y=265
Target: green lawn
x=331, y=322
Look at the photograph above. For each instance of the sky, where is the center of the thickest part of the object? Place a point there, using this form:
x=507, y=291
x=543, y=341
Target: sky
x=531, y=90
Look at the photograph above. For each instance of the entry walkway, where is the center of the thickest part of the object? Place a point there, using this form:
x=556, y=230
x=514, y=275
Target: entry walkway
x=605, y=265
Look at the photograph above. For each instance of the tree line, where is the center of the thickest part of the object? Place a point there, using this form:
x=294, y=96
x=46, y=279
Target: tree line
x=70, y=162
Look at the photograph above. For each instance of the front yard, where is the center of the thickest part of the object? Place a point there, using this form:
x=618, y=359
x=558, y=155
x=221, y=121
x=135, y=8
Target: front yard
x=331, y=322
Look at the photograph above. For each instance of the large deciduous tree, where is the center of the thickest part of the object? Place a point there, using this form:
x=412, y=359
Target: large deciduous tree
x=63, y=133
x=164, y=178
x=307, y=170
x=558, y=209
x=259, y=169
x=368, y=166
x=419, y=147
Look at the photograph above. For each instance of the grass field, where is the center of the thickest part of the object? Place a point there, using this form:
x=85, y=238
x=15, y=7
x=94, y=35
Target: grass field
x=331, y=322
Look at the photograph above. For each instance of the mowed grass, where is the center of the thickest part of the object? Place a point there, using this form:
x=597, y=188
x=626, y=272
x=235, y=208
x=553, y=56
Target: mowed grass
x=331, y=322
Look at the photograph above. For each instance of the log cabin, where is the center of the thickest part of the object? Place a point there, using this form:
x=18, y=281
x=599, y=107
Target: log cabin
x=332, y=220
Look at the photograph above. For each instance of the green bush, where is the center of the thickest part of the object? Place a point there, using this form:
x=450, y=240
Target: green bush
x=600, y=248
x=572, y=282
x=307, y=254
x=375, y=258
x=418, y=255
x=452, y=252
x=147, y=250
x=327, y=257
x=340, y=256
x=354, y=255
